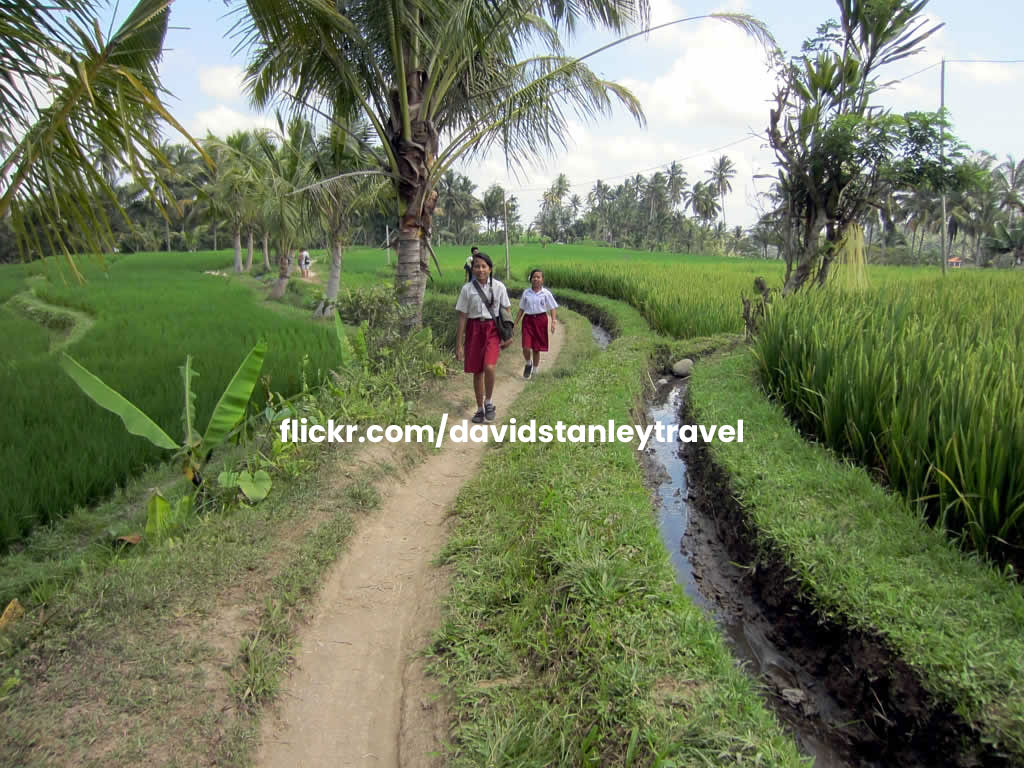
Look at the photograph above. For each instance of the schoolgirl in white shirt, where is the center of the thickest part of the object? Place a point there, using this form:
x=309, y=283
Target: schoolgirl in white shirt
x=477, y=342
x=536, y=307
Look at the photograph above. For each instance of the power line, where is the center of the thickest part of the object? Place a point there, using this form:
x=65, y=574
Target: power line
x=919, y=72
x=984, y=61
x=958, y=61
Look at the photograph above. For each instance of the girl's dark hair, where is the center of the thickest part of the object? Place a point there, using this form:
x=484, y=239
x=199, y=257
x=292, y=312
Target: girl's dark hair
x=485, y=257
x=535, y=271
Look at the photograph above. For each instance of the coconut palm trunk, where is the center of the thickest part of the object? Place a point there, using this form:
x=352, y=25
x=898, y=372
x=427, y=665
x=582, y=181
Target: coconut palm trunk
x=284, y=262
x=238, y=250
x=334, y=279
x=266, y=251
x=337, y=251
x=248, y=257
x=415, y=145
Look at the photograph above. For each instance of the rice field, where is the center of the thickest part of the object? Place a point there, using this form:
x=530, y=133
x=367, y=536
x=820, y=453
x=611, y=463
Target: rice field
x=918, y=376
x=150, y=310
x=922, y=380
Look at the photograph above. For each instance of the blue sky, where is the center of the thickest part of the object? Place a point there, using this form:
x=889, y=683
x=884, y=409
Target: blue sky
x=703, y=86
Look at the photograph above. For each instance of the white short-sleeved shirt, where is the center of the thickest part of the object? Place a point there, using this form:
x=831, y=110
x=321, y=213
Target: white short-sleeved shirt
x=474, y=307
x=537, y=302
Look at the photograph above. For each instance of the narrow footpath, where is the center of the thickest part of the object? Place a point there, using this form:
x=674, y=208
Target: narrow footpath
x=358, y=695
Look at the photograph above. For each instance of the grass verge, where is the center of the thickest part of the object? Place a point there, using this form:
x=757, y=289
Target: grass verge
x=110, y=669
x=168, y=655
x=566, y=640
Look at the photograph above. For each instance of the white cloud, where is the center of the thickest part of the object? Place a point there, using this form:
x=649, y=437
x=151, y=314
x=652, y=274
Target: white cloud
x=705, y=85
x=222, y=83
x=715, y=91
x=612, y=157
x=985, y=72
x=223, y=121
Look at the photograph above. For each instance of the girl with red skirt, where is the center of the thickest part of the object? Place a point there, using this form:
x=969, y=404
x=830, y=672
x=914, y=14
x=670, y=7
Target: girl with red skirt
x=477, y=342
x=536, y=308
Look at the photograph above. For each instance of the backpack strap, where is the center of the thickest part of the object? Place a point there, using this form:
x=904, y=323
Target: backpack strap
x=484, y=298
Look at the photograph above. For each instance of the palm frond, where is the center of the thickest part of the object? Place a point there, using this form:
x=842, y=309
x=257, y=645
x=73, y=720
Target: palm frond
x=97, y=93
x=752, y=26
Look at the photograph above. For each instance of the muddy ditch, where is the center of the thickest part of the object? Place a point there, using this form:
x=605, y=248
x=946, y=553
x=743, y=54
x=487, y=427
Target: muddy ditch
x=602, y=337
x=847, y=700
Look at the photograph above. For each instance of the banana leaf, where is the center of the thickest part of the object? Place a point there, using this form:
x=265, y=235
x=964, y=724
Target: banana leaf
x=135, y=421
x=231, y=406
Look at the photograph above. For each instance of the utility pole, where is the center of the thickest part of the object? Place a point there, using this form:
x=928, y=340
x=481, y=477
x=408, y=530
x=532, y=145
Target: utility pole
x=942, y=157
x=504, y=208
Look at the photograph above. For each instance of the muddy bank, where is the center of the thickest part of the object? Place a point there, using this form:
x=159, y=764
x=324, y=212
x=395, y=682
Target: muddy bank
x=704, y=570
x=848, y=697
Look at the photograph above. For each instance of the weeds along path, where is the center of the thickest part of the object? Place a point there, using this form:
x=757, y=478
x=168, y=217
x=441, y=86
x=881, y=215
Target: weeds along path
x=358, y=695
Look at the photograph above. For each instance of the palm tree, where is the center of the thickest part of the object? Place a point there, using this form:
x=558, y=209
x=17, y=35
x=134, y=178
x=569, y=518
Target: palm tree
x=420, y=70
x=69, y=91
x=1007, y=240
x=510, y=217
x=558, y=190
x=676, y=185
x=719, y=175
x=1009, y=178
x=285, y=169
x=598, y=200
x=974, y=206
x=705, y=205
x=921, y=212
x=340, y=201
x=233, y=186
x=574, y=206
x=466, y=208
x=493, y=200
x=447, y=191
x=656, y=203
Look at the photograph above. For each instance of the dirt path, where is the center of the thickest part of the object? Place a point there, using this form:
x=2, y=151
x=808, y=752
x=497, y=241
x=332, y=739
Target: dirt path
x=358, y=695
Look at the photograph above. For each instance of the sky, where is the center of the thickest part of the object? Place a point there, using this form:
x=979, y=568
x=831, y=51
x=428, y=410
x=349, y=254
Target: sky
x=704, y=87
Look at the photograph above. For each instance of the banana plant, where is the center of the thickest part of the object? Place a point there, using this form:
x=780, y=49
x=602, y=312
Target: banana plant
x=195, y=449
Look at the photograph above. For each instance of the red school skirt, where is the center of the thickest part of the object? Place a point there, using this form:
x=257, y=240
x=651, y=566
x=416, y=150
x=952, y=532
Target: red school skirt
x=535, y=332
x=482, y=345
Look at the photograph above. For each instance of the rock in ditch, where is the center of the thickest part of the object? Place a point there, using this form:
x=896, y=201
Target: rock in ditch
x=683, y=368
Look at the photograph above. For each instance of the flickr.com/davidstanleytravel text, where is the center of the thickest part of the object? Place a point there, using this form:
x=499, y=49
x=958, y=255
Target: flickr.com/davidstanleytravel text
x=302, y=431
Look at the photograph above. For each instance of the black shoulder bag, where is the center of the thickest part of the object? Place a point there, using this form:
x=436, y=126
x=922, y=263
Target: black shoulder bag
x=506, y=326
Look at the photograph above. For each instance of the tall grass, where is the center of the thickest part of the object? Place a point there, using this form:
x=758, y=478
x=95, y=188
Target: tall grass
x=921, y=380
x=684, y=300
x=59, y=448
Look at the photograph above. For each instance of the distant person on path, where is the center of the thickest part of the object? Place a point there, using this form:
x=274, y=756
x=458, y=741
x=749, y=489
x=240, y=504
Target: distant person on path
x=477, y=343
x=468, y=266
x=536, y=307
x=304, y=262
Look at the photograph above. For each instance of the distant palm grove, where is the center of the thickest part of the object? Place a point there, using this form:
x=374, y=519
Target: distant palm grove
x=660, y=212
x=377, y=106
